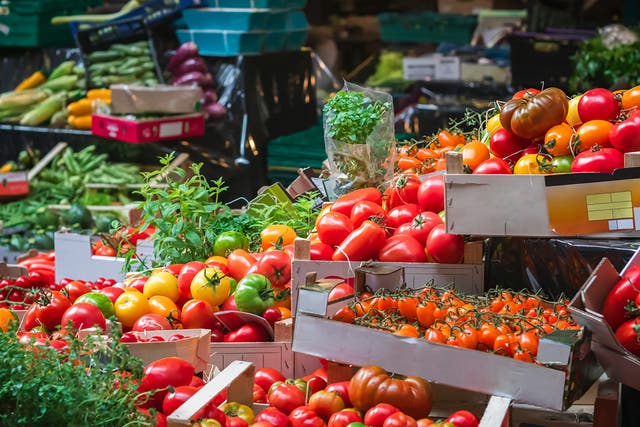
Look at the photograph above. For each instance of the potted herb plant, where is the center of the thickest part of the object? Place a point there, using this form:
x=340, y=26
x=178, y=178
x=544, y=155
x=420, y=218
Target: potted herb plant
x=359, y=139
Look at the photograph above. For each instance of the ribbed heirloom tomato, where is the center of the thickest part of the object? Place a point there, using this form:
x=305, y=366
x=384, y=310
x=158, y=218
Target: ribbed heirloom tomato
x=531, y=116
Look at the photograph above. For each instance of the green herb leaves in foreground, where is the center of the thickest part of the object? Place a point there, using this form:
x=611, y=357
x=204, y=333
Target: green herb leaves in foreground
x=75, y=386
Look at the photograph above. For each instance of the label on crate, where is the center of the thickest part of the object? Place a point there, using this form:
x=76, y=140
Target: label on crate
x=14, y=184
x=431, y=67
x=601, y=203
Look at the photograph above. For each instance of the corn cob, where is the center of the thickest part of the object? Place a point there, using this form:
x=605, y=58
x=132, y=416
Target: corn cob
x=43, y=112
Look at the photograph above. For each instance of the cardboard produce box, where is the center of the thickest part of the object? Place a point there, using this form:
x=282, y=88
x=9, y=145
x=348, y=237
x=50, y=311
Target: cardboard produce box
x=159, y=99
x=586, y=308
x=570, y=368
x=467, y=277
x=75, y=260
x=574, y=204
x=194, y=349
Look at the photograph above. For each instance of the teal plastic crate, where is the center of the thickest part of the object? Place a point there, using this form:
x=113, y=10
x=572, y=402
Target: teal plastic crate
x=427, y=27
x=235, y=19
x=259, y=4
x=223, y=43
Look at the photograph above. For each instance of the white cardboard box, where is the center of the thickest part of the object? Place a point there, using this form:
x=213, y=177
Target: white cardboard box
x=432, y=67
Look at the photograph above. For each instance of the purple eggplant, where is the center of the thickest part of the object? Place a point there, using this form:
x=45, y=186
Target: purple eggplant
x=190, y=65
x=185, y=51
x=209, y=96
x=194, y=77
x=214, y=111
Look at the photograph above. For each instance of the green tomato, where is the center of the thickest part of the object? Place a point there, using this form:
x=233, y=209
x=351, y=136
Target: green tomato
x=99, y=300
x=254, y=294
x=356, y=424
x=562, y=164
x=228, y=241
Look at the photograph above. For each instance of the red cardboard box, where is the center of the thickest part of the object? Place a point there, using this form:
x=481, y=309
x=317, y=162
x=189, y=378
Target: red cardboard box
x=149, y=130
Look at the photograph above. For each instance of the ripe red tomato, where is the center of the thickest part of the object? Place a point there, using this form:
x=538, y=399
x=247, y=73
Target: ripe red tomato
x=275, y=265
x=324, y=403
x=402, y=214
x=625, y=135
x=333, y=228
x=431, y=194
x=320, y=251
x=196, y=381
x=48, y=315
x=399, y=419
x=128, y=337
x=162, y=373
x=273, y=416
x=83, y=315
x=340, y=290
x=420, y=227
x=185, y=276
x=463, y=419
x=304, y=416
x=112, y=292
x=443, y=247
x=603, y=160
x=598, y=104
x=507, y=145
x=197, y=314
x=272, y=315
x=174, y=399
x=344, y=418
x=403, y=190
x=74, y=289
x=494, y=165
x=138, y=283
x=345, y=203
x=151, y=322
x=259, y=395
x=265, y=377
x=229, y=304
x=364, y=210
x=249, y=332
x=376, y=415
x=286, y=397
x=402, y=248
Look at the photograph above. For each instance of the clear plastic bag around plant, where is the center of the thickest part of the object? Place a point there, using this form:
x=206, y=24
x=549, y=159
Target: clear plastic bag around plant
x=359, y=139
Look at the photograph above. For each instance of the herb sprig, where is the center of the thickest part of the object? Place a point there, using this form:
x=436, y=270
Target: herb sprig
x=352, y=116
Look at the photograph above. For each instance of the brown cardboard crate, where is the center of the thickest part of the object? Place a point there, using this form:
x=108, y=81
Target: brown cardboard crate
x=516, y=205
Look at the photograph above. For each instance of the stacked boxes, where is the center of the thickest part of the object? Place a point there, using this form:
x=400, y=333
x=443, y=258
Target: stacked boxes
x=248, y=27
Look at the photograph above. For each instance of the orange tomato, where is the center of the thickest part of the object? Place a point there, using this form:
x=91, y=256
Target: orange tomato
x=216, y=258
x=276, y=234
x=409, y=163
x=286, y=313
x=631, y=98
x=7, y=317
x=474, y=153
x=558, y=139
x=407, y=330
x=424, y=154
x=425, y=314
x=345, y=314
x=447, y=139
x=129, y=306
x=165, y=307
x=434, y=335
x=408, y=307
x=591, y=133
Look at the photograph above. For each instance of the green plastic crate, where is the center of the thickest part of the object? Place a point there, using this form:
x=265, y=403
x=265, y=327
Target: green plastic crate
x=28, y=23
x=427, y=27
x=298, y=150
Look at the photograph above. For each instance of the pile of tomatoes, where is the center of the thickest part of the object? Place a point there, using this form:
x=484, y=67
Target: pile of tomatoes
x=403, y=224
x=120, y=242
x=502, y=322
x=541, y=132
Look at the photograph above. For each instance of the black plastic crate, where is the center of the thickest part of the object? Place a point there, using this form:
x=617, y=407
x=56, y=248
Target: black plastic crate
x=101, y=37
x=543, y=58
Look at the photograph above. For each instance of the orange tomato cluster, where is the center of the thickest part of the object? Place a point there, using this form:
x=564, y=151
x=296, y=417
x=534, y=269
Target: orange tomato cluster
x=502, y=322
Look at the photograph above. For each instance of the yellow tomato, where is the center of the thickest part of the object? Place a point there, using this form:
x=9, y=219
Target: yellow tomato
x=276, y=234
x=162, y=283
x=129, y=306
x=532, y=164
x=573, y=118
x=493, y=124
x=216, y=258
x=211, y=285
